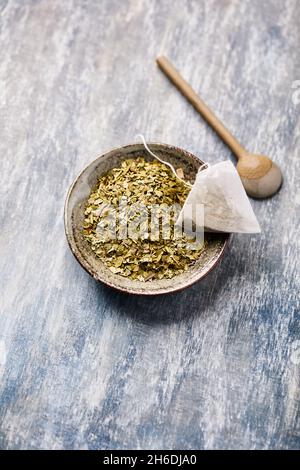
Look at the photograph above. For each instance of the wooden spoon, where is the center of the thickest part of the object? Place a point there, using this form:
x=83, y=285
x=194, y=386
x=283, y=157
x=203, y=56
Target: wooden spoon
x=260, y=176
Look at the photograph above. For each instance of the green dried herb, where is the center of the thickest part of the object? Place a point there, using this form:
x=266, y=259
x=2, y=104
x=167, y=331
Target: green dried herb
x=150, y=256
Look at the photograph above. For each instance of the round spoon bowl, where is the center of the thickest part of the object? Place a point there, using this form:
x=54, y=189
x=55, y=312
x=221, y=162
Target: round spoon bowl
x=261, y=177
x=74, y=216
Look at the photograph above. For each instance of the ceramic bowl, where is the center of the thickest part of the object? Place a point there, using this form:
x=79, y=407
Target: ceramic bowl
x=74, y=216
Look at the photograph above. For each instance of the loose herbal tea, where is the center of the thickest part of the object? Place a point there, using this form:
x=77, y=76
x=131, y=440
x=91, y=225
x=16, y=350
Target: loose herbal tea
x=130, y=222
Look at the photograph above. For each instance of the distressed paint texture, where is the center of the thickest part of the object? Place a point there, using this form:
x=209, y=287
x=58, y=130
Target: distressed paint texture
x=81, y=366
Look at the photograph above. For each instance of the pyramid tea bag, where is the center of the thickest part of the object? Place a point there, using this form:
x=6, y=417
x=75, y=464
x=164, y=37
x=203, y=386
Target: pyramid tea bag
x=226, y=205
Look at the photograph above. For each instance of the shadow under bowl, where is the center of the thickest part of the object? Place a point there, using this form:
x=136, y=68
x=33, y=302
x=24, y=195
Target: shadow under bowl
x=76, y=200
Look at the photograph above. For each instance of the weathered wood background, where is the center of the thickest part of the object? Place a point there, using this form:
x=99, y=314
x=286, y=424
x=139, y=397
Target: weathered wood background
x=216, y=366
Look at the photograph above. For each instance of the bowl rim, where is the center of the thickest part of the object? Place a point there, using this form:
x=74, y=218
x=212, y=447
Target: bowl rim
x=80, y=258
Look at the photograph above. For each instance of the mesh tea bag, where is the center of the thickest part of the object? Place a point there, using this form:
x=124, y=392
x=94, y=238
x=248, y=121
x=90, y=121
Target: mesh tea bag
x=226, y=205
x=219, y=193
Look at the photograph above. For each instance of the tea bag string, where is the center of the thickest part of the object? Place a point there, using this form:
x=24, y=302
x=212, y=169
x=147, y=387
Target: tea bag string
x=202, y=166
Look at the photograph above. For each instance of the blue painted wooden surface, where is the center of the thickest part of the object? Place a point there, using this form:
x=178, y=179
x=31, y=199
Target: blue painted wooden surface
x=216, y=366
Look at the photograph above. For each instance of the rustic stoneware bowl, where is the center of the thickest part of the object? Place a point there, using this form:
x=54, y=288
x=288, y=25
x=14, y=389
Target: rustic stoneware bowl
x=74, y=216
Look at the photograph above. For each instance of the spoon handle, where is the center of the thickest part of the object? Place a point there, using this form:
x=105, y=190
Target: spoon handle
x=187, y=91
